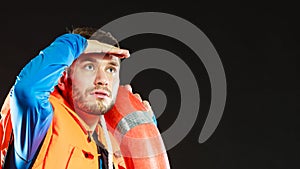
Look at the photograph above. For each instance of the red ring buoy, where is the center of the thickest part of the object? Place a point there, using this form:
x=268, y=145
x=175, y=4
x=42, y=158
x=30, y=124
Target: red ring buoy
x=138, y=136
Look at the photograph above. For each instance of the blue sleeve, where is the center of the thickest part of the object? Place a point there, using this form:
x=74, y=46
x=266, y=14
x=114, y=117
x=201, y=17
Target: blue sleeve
x=31, y=110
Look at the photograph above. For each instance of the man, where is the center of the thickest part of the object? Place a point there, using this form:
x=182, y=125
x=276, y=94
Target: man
x=58, y=99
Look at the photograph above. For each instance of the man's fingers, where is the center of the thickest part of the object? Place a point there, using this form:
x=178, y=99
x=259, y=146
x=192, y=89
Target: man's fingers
x=120, y=53
x=128, y=87
x=138, y=96
x=147, y=105
x=95, y=46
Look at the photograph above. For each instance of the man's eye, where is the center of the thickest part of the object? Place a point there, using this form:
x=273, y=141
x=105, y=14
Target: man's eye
x=112, y=70
x=89, y=67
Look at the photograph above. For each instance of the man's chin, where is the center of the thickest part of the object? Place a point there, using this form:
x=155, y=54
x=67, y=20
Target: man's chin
x=104, y=107
x=98, y=107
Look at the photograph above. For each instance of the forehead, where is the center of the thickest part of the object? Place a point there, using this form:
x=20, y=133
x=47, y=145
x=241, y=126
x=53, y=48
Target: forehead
x=98, y=57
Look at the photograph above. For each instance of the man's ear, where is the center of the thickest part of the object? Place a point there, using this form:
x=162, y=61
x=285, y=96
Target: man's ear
x=62, y=81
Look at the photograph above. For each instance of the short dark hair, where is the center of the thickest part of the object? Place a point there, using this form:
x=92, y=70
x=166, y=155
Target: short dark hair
x=96, y=34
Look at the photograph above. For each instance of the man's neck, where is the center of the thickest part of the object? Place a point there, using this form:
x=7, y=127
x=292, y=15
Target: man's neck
x=90, y=121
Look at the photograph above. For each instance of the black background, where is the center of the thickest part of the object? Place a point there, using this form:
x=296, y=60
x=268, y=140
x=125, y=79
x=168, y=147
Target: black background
x=257, y=43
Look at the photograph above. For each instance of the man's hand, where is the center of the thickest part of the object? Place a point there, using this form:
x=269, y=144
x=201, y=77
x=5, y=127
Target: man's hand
x=145, y=102
x=95, y=46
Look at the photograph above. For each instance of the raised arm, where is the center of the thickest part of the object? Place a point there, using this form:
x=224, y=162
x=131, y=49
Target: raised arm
x=31, y=111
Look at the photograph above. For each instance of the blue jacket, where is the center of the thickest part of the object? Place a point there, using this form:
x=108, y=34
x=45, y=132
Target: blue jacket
x=31, y=111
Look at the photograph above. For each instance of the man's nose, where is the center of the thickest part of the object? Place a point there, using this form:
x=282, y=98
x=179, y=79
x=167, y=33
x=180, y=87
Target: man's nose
x=101, y=78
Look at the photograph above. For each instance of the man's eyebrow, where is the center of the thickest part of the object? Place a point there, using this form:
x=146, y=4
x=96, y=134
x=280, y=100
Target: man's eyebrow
x=114, y=63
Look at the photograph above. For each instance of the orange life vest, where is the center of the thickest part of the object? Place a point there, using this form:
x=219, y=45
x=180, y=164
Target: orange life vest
x=67, y=144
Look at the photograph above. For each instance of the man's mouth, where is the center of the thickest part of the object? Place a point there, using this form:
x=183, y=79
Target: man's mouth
x=101, y=94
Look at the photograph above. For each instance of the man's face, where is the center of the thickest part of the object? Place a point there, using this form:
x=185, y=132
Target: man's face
x=94, y=80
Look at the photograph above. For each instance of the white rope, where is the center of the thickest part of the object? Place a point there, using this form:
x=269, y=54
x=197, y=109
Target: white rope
x=108, y=142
